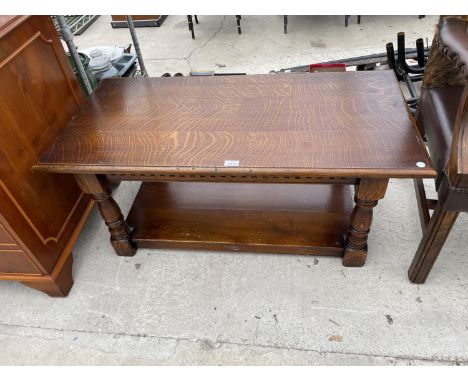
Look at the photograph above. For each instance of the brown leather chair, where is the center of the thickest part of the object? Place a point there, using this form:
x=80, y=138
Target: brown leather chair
x=442, y=118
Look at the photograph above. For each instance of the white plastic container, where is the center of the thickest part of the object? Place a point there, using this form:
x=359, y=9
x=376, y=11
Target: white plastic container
x=101, y=65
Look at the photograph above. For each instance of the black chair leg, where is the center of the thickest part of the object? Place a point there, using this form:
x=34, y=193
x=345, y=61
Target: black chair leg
x=238, y=19
x=346, y=20
x=190, y=26
x=359, y=19
x=285, y=24
x=196, y=19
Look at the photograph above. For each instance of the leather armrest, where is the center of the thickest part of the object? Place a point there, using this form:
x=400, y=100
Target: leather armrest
x=452, y=40
x=457, y=166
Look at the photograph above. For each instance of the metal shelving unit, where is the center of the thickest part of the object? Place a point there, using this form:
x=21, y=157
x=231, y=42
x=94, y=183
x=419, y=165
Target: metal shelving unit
x=77, y=23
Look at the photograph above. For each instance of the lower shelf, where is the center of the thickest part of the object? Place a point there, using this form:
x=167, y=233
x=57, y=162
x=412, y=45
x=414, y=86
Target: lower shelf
x=271, y=218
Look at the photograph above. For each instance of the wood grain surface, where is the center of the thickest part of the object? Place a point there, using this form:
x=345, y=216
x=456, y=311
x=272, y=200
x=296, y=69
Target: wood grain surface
x=346, y=124
x=9, y=22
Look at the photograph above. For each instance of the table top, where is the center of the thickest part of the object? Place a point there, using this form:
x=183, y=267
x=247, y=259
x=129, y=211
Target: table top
x=350, y=124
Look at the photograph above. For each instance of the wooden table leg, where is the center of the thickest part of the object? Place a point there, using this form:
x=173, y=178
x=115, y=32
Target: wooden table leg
x=120, y=234
x=368, y=193
x=431, y=243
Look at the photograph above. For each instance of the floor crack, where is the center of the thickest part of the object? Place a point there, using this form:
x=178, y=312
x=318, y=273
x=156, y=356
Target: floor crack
x=252, y=345
x=187, y=59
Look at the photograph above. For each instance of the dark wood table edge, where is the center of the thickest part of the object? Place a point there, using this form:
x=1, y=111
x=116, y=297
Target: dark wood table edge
x=131, y=172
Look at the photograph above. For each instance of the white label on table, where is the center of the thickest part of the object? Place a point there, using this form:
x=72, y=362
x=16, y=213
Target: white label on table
x=420, y=164
x=231, y=163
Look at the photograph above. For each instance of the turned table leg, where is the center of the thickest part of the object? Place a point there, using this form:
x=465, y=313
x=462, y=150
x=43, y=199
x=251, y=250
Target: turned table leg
x=99, y=189
x=368, y=193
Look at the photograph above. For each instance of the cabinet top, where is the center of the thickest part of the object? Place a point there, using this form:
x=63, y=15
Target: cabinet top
x=9, y=22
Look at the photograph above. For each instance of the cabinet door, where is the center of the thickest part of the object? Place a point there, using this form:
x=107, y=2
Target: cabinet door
x=39, y=94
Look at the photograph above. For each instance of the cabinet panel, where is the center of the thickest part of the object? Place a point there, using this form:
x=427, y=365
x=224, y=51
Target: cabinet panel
x=41, y=99
x=42, y=213
x=12, y=258
x=16, y=261
x=5, y=239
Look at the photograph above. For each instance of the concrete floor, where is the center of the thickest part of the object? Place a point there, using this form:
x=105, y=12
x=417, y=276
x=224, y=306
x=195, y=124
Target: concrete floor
x=169, y=307
x=262, y=45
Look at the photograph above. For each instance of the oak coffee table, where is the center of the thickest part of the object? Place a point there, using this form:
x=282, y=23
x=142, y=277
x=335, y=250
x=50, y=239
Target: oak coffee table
x=261, y=163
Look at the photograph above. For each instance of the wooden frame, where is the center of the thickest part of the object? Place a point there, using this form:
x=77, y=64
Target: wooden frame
x=445, y=67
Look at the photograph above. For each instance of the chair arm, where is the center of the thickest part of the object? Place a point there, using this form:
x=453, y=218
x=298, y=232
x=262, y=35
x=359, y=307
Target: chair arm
x=457, y=166
x=452, y=40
